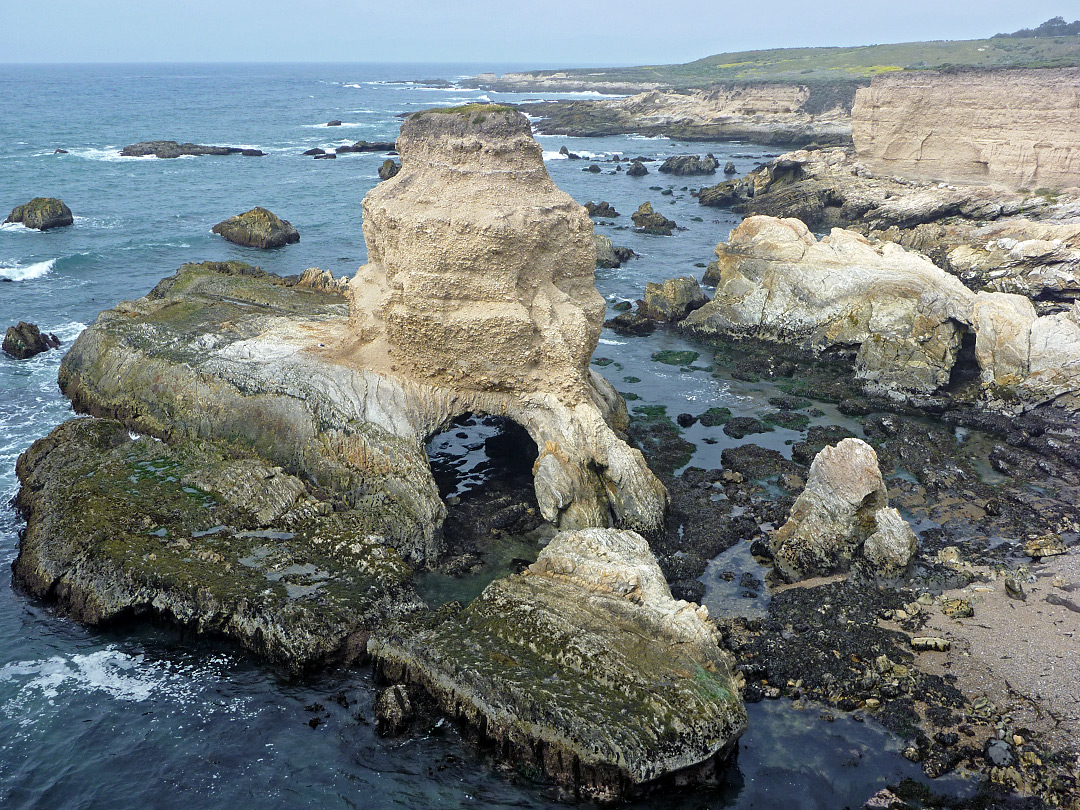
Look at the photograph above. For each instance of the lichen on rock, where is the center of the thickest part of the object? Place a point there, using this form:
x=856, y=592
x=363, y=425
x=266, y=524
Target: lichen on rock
x=259, y=228
x=41, y=213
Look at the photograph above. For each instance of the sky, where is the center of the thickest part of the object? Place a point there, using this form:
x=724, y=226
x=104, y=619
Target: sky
x=553, y=33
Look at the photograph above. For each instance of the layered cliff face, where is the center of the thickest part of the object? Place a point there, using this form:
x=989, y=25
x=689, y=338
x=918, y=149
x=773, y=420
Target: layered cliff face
x=480, y=268
x=1011, y=129
x=759, y=112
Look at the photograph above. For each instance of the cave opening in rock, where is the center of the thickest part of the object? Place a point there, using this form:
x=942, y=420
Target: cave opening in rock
x=483, y=466
x=965, y=376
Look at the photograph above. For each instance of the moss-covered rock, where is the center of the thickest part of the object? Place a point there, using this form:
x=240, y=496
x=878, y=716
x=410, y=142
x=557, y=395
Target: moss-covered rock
x=202, y=536
x=388, y=169
x=258, y=228
x=42, y=213
x=583, y=667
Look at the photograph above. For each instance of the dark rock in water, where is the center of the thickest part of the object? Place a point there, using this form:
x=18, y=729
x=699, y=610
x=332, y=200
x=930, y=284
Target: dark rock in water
x=389, y=169
x=624, y=254
x=740, y=426
x=202, y=535
x=601, y=209
x=252, y=153
x=172, y=149
x=651, y=222
x=42, y=213
x=729, y=168
x=686, y=165
x=326, y=156
x=685, y=420
x=637, y=169
x=725, y=194
x=592, y=168
x=393, y=710
x=334, y=123
x=605, y=251
x=715, y=417
x=616, y=159
x=571, y=155
x=630, y=323
x=60, y=152
x=26, y=340
x=370, y=146
x=258, y=228
x=756, y=463
x=315, y=151
x=673, y=299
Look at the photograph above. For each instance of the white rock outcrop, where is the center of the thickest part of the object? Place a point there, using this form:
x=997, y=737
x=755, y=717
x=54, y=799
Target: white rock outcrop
x=843, y=515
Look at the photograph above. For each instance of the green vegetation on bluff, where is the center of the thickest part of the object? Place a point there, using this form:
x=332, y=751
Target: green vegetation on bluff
x=839, y=64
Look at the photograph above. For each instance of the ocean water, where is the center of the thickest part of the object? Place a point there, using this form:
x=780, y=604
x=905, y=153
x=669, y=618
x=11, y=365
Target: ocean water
x=145, y=717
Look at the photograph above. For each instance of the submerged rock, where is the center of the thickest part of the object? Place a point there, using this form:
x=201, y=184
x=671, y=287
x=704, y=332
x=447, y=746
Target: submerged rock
x=652, y=222
x=204, y=536
x=258, y=228
x=41, y=213
x=26, y=340
x=686, y=165
x=172, y=149
x=841, y=515
x=585, y=667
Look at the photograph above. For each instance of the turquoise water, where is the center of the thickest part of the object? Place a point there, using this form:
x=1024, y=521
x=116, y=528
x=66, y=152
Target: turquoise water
x=144, y=717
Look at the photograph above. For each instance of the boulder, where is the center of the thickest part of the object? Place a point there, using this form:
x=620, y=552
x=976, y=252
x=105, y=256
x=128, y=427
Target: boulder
x=729, y=168
x=252, y=153
x=687, y=165
x=593, y=168
x=605, y=251
x=637, y=169
x=393, y=710
x=42, y=213
x=624, y=254
x=652, y=222
x=843, y=515
x=313, y=152
x=389, y=169
x=631, y=323
x=327, y=156
x=604, y=210
x=614, y=685
x=369, y=146
x=777, y=282
x=172, y=149
x=257, y=228
x=26, y=340
x=334, y=123
x=673, y=299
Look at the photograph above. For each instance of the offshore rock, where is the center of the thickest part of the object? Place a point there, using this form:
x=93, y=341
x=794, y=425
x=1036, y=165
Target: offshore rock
x=777, y=282
x=585, y=667
x=258, y=228
x=673, y=299
x=650, y=221
x=637, y=169
x=172, y=149
x=686, y=165
x=26, y=340
x=388, y=169
x=42, y=213
x=604, y=210
x=203, y=536
x=842, y=514
x=605, y=252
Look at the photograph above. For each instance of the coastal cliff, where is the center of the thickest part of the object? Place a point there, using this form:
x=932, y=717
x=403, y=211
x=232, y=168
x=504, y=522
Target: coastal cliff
x=1011, y=129
x=782, y=113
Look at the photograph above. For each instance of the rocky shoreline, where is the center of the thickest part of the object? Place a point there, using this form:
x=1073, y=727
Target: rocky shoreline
x=286, y=500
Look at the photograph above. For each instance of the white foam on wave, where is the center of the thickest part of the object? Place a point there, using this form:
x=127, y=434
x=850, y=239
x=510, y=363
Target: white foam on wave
x=342, y=125
x=16, y=227
x=607, y=342
x=109, y=154
x=25, y=272
x=555, y=156
x=110, y=673
x=648, y=137
x=67, y=332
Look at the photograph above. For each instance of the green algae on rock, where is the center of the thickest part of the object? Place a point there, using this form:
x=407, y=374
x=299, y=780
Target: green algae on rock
x=259, y=228
x=42, y=213
x=583, y=666
x=204, y=537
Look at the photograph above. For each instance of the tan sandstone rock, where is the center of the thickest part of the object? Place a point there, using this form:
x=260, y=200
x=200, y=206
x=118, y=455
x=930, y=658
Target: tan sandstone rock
x=1008, y=128
x=841, y=515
